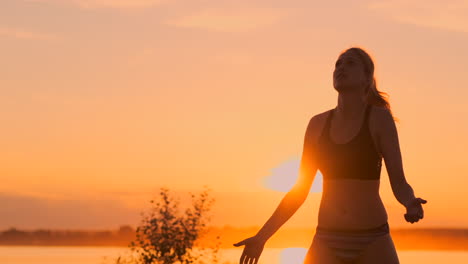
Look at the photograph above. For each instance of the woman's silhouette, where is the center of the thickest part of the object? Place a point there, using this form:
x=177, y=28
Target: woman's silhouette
x=347, y=145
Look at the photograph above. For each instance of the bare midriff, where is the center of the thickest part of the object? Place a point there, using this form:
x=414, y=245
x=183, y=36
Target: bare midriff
x=351, y=204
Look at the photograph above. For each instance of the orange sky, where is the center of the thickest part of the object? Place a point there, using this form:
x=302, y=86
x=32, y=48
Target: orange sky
x=103, y=102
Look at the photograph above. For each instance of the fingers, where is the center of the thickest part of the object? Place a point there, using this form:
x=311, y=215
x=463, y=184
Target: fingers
x=412, y=218
x=422, y=200
x=253, y=260
x=247, y=260
x=415, y=212
x=251, y=252
x=409, y=218
x=242, y=258
x=238, y=244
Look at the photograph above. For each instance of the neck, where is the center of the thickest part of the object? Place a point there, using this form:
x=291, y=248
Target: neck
x=350, y=105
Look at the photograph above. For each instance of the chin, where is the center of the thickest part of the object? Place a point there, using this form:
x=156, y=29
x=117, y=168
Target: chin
x=345, y=87
x=341, y=88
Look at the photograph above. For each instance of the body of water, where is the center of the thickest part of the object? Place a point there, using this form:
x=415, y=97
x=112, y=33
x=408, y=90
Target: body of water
x=107, y=255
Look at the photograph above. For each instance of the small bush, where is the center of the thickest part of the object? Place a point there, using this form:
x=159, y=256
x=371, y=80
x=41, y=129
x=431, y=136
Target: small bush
x=165, y=236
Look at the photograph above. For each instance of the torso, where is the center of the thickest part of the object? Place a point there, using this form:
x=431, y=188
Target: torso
x=350, y=203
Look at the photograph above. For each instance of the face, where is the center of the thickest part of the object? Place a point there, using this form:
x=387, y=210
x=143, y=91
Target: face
x=349, y=74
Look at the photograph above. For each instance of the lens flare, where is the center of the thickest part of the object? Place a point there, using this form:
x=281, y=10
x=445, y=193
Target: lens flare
x=293, y=255
x=284, y=176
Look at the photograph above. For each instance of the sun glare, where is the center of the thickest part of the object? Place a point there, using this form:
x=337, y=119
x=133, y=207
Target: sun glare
x=284, y=176
x=293, y=255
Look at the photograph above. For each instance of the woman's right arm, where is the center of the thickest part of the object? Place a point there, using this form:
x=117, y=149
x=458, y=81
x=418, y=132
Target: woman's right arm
x=293, y=200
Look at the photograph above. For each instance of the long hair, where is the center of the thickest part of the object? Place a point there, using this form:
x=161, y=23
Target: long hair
x=373, y=95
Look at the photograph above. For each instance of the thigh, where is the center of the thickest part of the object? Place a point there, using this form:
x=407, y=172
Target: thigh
x=381, y=250
x=320, y=253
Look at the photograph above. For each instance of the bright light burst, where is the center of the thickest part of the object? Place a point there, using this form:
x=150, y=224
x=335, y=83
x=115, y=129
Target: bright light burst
x=292, y=255
x=285, y=175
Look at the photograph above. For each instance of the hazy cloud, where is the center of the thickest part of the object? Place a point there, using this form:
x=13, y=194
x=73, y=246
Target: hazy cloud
x=231, y=19
x=101, y=211
x=25, y=34
x=106, y=3
x=33, y=212
x=447, y=15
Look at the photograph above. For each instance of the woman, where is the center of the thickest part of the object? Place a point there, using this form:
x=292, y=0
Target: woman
x=347, y=145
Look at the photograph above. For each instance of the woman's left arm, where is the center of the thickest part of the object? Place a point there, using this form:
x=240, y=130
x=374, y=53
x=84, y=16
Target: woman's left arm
x=390, y=148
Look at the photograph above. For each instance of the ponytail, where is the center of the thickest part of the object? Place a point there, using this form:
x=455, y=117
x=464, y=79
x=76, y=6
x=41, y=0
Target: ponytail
x=374, y=96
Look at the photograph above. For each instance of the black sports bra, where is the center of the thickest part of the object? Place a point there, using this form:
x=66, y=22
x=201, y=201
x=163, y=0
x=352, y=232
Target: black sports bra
x=357, y=159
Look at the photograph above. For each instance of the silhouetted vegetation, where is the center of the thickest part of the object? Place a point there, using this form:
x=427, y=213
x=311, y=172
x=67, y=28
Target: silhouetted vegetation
x=167, y=236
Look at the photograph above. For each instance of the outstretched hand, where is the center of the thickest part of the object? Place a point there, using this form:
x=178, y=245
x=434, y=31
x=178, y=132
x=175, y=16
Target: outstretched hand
x=252, y=250
x=414, y=210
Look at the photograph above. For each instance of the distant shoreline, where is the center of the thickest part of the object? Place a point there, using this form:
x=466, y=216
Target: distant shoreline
x=124, y=247
x=446, y=239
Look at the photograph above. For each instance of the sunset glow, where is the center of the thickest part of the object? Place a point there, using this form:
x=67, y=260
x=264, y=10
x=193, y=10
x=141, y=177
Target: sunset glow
x=103, y=102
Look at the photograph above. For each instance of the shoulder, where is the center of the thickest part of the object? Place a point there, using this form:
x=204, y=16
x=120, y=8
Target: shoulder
x=381, y=118
x=319, y=119
x=379, y=111
x=316, y=124
x=380, y=114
